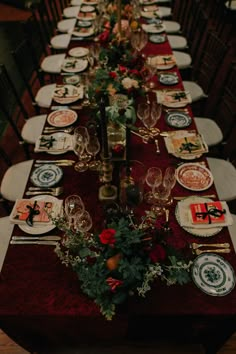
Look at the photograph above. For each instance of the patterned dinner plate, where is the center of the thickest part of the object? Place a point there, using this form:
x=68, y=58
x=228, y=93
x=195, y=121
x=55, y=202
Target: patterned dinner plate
x=194, y=176
x=65, y=94
x=153, y=28
x=177, y=119
x=157, y=38
x=168, y=78
x=87, y=8
x=62, y=117
x=213, y=274
x=46, y=175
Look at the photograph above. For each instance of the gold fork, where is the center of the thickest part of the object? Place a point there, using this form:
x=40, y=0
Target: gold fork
x=220, y=250
x=195, y=245
x=51, y=191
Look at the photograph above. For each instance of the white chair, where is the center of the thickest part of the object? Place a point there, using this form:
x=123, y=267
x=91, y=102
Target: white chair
x=60, y=41
x=71, y=12
x=172, y=26
x=15, y=179
x=231, y=5
x=177, y=42
x=66, y=25
x=224, y=174
x=183, y=60
x=52, y=63
x=232, y=231
x=6, y=229
x=195, y=90
x=164, y=11
x=210, y=130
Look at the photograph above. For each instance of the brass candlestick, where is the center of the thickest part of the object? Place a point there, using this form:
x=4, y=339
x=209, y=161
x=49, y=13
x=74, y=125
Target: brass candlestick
x=107, y=192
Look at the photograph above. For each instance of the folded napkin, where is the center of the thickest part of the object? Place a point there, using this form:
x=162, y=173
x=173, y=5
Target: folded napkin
x=187, y=218
x=163, y=60
x=185, y=143
x=54, y=143
x=153, y=27
x=32, y=212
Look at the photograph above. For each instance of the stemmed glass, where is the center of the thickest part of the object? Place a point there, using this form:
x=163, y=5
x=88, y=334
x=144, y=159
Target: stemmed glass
x=169, y=181
x=153, y=176
x=80, y=139
x=93, y=147
x=83, y=222
x=161, y=194
x=138, y=40
x=73, y=206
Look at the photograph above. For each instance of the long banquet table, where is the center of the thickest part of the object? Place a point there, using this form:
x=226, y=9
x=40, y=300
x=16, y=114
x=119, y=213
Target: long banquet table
x=41, y=303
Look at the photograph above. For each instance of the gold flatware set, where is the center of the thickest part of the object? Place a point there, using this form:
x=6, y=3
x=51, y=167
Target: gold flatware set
x=210, y=247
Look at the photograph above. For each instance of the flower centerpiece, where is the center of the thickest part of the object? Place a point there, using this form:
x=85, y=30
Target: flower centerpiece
x=121, y=260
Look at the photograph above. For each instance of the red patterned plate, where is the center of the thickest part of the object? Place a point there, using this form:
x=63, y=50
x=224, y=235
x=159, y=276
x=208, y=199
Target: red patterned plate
x=62, y=118
x=194, y=176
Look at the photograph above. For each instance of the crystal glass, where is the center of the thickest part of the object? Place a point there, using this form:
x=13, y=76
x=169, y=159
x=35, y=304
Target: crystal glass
x=93, y=148
x=83, y=222
x=138, y=40
x=153, y=176
x=143, y=110
x=78, y=147
x=169, y=181
x=73, y=205
x=161, y=194
x=84, y=157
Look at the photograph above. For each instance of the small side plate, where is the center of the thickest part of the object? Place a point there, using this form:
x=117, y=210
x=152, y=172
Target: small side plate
x=46, y=175
x=168, y=78
x=177, y=119
x=157, y=38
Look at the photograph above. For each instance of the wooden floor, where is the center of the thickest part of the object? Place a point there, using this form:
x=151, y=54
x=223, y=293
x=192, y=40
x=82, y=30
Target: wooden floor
x=7, y=346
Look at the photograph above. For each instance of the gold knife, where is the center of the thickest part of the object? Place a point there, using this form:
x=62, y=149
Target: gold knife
x=37, y=238
x=46, y=243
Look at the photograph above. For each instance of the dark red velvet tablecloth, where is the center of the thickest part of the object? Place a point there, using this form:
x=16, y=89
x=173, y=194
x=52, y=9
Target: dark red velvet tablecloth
x=41, y=300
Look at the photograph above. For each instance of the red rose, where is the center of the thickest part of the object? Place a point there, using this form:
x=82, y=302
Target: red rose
x=113, y=74
x=134, y=72
x=104, y=36
x=107, y=236
x=157, y=254
x=122, y=69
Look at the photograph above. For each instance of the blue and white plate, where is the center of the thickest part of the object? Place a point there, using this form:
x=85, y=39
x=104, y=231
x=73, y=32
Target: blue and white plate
x=213, y=274
x=157, y=38
x=177, y=119
x=46, y=175
x=168, y=78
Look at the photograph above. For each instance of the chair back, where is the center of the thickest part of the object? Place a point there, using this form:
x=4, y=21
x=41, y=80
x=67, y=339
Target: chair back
x=28, y=68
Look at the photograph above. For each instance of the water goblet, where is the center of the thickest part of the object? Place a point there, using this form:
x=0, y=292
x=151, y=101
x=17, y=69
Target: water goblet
x=153, y=176
x=73, y=206
x=83, y=222
x=93, y=147
x=138, y=40
x=161, y=194
x=143, y=110
x=78, y=147
x=169, y=180
x=83, y=131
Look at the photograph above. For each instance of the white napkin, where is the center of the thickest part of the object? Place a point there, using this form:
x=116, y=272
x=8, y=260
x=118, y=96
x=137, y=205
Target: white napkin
x=185, y=219
x=62, y=143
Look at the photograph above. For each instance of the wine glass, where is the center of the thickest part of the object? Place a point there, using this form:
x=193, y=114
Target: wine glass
x=93, y=147
x=78, y=147
x=155, y=113
x=161, y=194
x=148, y=73
x=73, y=206
x=138, y=40
x=153, y=176
x=83, y=131
x=169, y=180
x=143, y=110
x=83, y=222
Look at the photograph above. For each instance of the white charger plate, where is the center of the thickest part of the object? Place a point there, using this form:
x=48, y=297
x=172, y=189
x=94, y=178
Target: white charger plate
x=213, y=275
x=65, y=94
x=46, y=175
x=78, y=52
x=200, y=232
x=39, y=229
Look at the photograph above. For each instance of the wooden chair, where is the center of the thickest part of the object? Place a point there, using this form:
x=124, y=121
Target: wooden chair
x=6, y=229
x=211, y=73
x=25, y=128
x=32, y=76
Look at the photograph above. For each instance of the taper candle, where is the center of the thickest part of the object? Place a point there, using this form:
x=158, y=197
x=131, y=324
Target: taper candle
x=104, y=128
